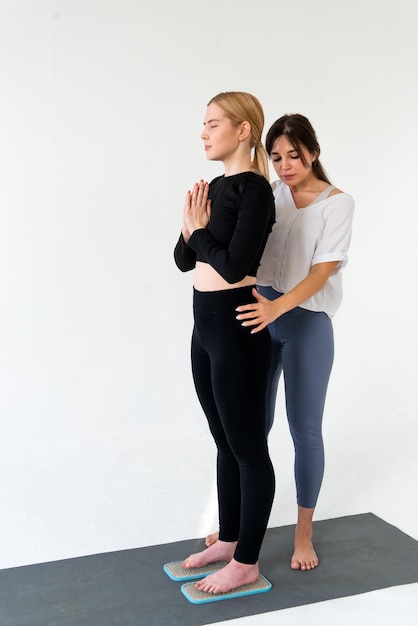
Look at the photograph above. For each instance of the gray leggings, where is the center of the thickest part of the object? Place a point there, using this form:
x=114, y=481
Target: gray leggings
x=303, y=348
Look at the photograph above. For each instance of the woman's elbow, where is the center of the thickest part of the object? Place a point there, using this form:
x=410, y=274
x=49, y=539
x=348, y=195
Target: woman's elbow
x=234, y=275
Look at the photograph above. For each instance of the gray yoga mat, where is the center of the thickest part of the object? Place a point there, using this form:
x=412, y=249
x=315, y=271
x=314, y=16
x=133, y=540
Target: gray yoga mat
x=358, y=553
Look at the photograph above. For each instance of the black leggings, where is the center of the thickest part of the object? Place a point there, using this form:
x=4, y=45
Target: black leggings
x=230, y=368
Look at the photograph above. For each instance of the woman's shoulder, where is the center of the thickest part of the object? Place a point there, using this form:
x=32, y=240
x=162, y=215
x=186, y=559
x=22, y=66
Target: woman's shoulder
x=256, y=178
x=254, y=184
x=338, y=206
x=216, y=180
x=248, y=182
x=338, y=192
x=339, y=197
x=251, y=176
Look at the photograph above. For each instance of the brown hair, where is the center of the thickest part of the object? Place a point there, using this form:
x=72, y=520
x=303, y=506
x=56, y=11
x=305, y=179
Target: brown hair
x=239, y=107
x=299, y=131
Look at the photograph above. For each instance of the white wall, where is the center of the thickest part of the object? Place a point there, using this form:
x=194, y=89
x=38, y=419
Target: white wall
x=101, y=106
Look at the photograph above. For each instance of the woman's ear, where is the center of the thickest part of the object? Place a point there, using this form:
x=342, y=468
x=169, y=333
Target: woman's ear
x=245, y=131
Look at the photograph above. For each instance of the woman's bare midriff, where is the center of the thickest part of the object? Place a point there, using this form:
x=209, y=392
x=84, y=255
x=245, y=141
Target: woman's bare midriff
x=208, y=279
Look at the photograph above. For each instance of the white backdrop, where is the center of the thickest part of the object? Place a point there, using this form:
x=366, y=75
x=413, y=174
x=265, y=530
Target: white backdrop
x=102, y=104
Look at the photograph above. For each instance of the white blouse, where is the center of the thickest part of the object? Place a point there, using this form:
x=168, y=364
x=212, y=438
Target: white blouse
x=301, y=238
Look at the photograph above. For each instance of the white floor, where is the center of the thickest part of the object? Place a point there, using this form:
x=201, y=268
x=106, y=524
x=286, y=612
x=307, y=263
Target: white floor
x=151, y=482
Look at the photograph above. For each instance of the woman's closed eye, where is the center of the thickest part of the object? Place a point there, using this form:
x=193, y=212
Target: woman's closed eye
x=277, y=159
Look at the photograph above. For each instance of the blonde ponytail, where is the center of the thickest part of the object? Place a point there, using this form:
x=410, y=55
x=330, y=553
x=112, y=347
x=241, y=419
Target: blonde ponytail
x=260, y=161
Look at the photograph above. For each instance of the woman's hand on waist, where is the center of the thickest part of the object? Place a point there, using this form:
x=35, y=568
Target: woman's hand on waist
x=258, y=314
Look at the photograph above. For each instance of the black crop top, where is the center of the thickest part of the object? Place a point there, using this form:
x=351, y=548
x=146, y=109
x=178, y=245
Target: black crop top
x=242, y=215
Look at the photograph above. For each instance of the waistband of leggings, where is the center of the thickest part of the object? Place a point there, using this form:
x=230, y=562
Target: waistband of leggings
x=233, y=290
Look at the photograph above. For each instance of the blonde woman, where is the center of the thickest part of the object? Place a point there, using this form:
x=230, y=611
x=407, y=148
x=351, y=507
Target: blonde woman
x=225, y=228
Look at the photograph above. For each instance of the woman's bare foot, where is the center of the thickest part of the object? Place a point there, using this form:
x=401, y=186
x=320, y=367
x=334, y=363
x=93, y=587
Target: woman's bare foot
x=231, y=576
x=219, y=551
x=304, y=556
x=211, y=539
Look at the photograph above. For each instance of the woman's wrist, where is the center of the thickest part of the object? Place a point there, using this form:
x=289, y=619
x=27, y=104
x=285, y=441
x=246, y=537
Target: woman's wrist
x=185, y=234
x=280, y=306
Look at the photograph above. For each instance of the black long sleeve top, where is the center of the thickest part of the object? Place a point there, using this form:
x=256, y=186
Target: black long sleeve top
x=242, y=215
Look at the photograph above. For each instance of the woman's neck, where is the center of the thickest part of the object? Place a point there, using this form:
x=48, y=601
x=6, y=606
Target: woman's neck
x=311, y=184
x=238, y=165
